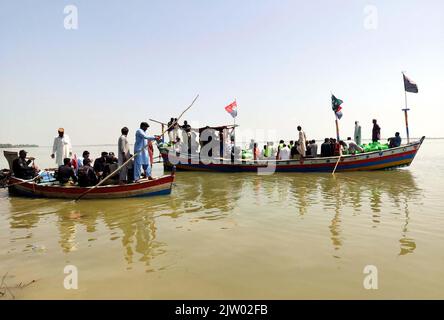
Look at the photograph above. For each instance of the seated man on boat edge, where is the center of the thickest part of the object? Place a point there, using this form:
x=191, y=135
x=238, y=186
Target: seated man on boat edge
x=21, y=166
x=394, y=141
x=353, y=147
x=66, y=172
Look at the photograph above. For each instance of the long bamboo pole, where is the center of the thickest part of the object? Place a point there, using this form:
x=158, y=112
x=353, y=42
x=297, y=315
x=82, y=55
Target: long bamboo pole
x=135, y=154
x=337, y=162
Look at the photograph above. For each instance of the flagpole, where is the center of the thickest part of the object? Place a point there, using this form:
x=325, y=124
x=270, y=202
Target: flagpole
x=337, y=127
x=234, y=122
x=406, y=109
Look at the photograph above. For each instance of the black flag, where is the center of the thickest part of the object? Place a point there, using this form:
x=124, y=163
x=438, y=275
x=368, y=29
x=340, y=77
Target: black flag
x=409, y=85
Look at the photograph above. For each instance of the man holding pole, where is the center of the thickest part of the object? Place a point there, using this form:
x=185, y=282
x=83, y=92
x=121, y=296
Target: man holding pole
x=142, y=159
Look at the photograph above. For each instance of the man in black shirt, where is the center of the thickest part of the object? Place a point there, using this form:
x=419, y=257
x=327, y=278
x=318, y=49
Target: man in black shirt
x=294, y=152
x=21, y=168
x=170, y=129
x=326, y=148
x=100, y=165
x=376, y=131
x=187, y=134
x=87, y=176
x=66, y=172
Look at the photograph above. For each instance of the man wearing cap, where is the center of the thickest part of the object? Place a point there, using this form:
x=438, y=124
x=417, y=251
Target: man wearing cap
x=21, y=168
x=142, y=160
x=61, y=148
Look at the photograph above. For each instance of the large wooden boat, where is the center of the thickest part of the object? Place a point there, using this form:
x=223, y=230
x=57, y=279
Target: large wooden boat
x=142, y=188
x=377, y=160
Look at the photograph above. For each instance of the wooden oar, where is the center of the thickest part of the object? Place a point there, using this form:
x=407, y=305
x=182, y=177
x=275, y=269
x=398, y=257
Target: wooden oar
x=337, y=162
x=135, y=154
x=21, y=182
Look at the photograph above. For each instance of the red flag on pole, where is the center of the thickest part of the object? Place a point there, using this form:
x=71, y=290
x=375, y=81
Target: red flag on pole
x=232, y=109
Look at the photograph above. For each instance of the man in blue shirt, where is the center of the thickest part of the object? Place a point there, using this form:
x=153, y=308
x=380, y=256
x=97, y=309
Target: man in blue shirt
x=142, y=159
x=395, y=141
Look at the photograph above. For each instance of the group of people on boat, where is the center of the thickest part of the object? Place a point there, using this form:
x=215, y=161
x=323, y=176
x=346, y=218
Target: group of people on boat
x=305, y=148
x=294, y=149
x=84, y=171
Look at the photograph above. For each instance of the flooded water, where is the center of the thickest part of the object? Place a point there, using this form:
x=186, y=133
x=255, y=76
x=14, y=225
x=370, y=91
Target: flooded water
x=289, y=236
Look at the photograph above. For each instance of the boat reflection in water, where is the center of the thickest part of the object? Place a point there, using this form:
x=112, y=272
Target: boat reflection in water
x=145, y=228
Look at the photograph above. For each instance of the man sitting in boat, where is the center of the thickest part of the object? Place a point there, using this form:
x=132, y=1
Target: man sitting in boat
x=86, y=174
x=21, y=166
x=312, y=149
x=66, y=172
x=394, y=141
x=284, y=152
x=353, y=147
x=100, y=165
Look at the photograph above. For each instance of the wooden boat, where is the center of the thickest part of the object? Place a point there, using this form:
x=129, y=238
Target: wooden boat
x=375, y=160
x=142, y=188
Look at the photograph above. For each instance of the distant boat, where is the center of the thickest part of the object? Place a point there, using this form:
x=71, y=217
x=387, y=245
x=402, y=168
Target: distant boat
x=376, y=160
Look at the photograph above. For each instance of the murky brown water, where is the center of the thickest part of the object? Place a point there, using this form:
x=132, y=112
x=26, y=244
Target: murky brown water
x=285, y=236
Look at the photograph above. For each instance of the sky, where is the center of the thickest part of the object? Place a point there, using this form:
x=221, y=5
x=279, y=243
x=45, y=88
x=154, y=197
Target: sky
x=129, y=61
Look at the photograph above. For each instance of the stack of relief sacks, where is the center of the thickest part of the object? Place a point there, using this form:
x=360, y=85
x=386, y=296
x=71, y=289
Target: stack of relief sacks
x=374, y=146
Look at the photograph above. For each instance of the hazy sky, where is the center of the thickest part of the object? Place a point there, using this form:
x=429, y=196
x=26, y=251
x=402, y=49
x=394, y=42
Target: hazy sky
x=133, y=60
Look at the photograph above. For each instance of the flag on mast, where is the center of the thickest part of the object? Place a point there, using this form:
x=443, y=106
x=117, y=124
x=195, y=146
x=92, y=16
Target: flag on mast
x=409, y=85
x=336, y=106
x=232, y=109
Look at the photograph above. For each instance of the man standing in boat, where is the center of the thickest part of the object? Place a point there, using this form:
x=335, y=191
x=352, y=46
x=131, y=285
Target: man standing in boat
x=302, y=142
x=123, y=155
x=142, y=159
x=357, y=133
x=61, y=148
x=376, y=131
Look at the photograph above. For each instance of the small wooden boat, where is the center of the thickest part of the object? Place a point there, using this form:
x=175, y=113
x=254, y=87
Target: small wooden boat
x=52, y=189
x=375, y=160
x=142, y=188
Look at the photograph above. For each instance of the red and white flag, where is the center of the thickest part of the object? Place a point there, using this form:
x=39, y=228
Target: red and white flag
x=232, y=109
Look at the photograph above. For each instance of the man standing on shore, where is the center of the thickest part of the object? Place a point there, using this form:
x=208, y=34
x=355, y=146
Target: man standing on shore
x=61, y=148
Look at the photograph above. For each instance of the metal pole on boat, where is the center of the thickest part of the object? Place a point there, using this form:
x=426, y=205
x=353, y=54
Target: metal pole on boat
x=406, y=117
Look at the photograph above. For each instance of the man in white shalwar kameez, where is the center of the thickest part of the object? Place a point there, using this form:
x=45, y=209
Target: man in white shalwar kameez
x=302, y=148
x=61, y=148
x=357, y=133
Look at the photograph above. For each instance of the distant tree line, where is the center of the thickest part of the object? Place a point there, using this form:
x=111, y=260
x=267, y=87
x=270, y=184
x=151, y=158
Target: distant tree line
x=9, y=145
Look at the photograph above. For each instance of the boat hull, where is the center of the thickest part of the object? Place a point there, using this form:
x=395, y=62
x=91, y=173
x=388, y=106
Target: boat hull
x=142, y=188
x=377, y=160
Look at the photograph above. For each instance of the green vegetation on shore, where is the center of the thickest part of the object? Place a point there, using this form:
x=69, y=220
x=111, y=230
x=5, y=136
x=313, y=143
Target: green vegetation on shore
x=9, y=145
